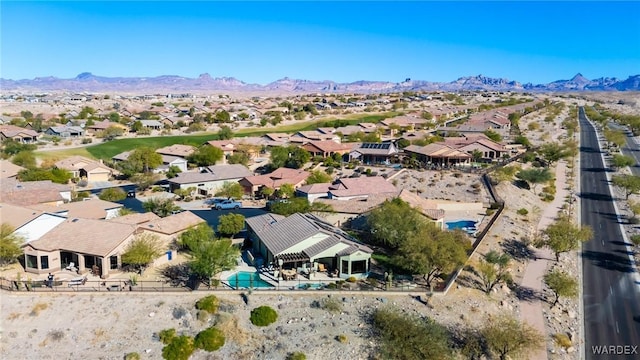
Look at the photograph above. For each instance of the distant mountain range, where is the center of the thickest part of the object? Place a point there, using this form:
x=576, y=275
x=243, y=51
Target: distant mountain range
x=87, y=82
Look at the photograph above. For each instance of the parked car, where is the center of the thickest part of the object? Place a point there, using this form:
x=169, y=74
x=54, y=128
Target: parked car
x=226, y=204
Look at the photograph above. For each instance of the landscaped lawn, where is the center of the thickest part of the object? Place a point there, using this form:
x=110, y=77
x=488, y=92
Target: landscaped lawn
x=107, y=150
x=62, y=153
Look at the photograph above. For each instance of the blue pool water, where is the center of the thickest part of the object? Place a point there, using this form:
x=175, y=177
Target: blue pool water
x=242, y=279
x=465, y=225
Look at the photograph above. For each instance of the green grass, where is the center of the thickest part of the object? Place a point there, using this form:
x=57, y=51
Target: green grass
x=107, y=150
x=62, y=153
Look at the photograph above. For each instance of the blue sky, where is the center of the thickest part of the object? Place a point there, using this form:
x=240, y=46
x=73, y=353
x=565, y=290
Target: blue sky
x=260, y=42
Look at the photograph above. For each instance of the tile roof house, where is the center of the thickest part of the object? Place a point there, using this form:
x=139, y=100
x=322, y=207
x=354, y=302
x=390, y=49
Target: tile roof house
x=326, y=148
x=274, y=180
x=9, y=169
x=28, y=223
x=169, y=228
x=313, y=135
x=210, y=179
x=103, y=125
x=374, y=153
x=27, y=193
x=305, y=240
x=178, y=150
x=361, y=187
x=85, y=168
x=136, y=218
x=437, y=153
x=227, y=146
x=18, y=134
x=89, y=209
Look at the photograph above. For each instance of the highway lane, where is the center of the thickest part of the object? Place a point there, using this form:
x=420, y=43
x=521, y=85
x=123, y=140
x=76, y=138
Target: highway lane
x=611, y=289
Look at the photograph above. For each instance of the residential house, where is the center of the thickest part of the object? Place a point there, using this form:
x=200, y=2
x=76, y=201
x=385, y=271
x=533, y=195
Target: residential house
x=28, y=223
x=103, y=125
x=360, y=187
x=489, y=149
x=437, y=154
x=210, y=179
x=254, y=184
x=178, y=150
x=169, y=228
x=9, y=169
x=169, y=161
x=406, y=122
x=17, y=134
x=326, y=148
x=374, y=153
x=65, y=131
x=305, y=241
x=88, y=209
x=27, y=193
x=227, y=146
x=303, y=137
x=314, y=191
x=151, y=124
x=85, y=168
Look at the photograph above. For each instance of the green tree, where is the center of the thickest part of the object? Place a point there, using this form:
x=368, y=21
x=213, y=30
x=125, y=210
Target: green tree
x=562, y=284
x=136, y=126
x=506, y=337
x=535, y=176
x=493, y=135
x=114, y=117
x=210, y=339
x=629, y=183
x=552, y=152
x=410, y=337
x=112, y=194
x=173, y=171
x=318, y=177
x=222, y=116
x=110, y=133
x=476, y=155
x=616, y=137
x=394, y=222
x=144, y=159
x=58, y=176
x=289, y=156
x=230, y=224
x=563, y=236
x=225, y=133
x=162, y=207
x=211, y=257
x=25, y=159
x=206, y=155
x=426, y=115
x=621, y=161
x=193, y=237
x=11, y=147
x=239, y=157
x=432, y=253
x=493, y=270
x=142, y=251
x=285, y=191
x=145, y=180
x=10, y=244
x=231, y=189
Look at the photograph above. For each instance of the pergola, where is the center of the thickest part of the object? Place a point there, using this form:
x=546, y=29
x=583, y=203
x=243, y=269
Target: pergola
x=282, y=259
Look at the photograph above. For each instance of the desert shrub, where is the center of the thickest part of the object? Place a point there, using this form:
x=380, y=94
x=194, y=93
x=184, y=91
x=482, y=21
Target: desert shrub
x=208, y=303
x=562, y=340
x=352, y=279
x=329, y=170
x=332, y=286
x=210, y=339
x=180, y=348
x=548, y=197
x=635, y=239
x=494, y=206
x=263, y=316
x=331, y=305
x=634, y=220
x=89, y=141
x=167, y=335
x=202, y=315
x=132, y=356
x=522, y=211
x=296, y=356
x=342, y=338
x=490, y=212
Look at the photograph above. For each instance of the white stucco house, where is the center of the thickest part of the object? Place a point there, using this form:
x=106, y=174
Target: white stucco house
x=209, y=179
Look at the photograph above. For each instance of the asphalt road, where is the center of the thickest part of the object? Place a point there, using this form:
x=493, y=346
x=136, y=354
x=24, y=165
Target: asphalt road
x=611, y=287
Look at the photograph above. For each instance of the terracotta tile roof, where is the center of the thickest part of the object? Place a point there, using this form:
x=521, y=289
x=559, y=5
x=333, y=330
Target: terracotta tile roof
x=75, y=163
x=85, y=236
x=437, y=150
x=223, y=144
x=326, y=146
x=277, y=178
x=179, y=150
x=425, y=206
x=357, y=206
x=315, y=188
x=136, y=219
x=90, y=209
x=16, y=192
x=9, y=169
x=12, y=130
x=173, y=224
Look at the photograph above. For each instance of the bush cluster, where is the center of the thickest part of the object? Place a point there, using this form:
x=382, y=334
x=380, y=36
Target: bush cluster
x=180, y=348
x=208, y=303
x=210, y=339
x=263, y=316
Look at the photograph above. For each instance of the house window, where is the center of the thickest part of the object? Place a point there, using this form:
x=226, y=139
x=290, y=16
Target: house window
x=113, y=262
x=345, y=267
x=32, y=261
x=359, y=267
x=44, y=262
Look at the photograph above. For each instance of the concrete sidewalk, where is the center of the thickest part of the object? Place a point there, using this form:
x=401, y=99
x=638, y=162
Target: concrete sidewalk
x=531, y=311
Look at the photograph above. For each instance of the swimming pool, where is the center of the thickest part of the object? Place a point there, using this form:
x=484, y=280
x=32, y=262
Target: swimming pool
x=243, y=279
x=466, y=225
